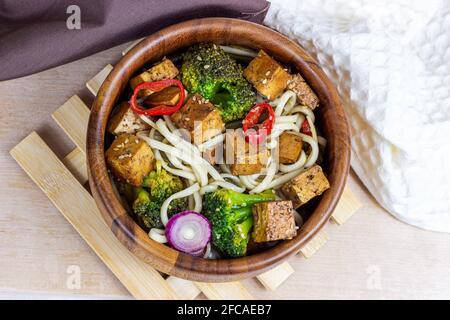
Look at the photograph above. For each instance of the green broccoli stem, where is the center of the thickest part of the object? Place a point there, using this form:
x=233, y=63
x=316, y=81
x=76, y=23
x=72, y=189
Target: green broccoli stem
x=242, y=200
x=242, y=214
x=246, y=226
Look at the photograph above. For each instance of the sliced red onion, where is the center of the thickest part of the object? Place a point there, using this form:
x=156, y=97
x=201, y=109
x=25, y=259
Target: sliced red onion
x=188, y=232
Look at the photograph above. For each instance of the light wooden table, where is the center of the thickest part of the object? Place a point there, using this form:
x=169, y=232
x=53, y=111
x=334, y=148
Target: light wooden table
x=371, y=256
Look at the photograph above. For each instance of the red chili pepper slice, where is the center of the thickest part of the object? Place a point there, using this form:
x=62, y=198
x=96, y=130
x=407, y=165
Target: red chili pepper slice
x=262, y=129
x=156, y=86
x=306, y=129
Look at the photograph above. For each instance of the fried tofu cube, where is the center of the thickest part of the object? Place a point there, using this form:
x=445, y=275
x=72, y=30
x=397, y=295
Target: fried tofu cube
x=200, y=118
x=211, y=155
x=273, y=220
x=163, y=70
x=130, y=159
x=305, y=95
x=267, y=75
x=168, y=96
x=290, y=147
x=245, y=158
x=307, y=185
x=126, y=120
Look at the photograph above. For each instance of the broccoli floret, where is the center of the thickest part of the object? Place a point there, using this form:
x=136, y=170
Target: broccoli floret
x=212, y=73
x=231, y=217
x=161, y=183
x=156, y=188
x=146, y=209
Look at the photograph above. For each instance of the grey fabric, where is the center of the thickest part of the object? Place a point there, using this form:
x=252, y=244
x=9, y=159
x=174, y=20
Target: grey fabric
x=34, y=35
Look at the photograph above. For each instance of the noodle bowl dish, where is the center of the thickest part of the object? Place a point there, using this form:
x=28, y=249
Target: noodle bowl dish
x=216, y=151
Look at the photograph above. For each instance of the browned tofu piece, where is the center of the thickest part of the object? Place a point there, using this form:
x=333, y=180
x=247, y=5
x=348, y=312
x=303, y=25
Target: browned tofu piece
x=273, y=220
x=305, y=95
x=200, y=118
x=126, y=120
x=130, y=159
x=245, y=158
x=163, y=70
x=168, y=97
x=210, y=155
x=290, y=147
x=267, y=75
x=307, y=185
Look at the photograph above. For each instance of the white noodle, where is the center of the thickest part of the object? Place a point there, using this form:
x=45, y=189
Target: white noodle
x=202, y=175
x=224, y=168
x=198, y=202
x=285, y=126
x=299, y=122
x=231, y=177
x=191, y=202
x=275, y=134
x=175, y=139
x=314, y=154
x=322, y=141
x=284, y=119
x=235, y=186
x=250, y=181
x=211, y=143
x=195, y=200
x=209, y=188
x=285, y=101
x=295, y=166
x=207, y=251
x=192, y=160
x=170, y=124
x=181, y=194
x=283, y=179
x=246, y=182
x=239, y=51
x=298, y=218
x=272, y=169
x=157, y=235
x=158, y=156
x=313, y=128
x=305, y=110
x=186, y=152
x=184, y=174
x=176, y=162
x=229, y=185
x=253, y=178
x=147, y=121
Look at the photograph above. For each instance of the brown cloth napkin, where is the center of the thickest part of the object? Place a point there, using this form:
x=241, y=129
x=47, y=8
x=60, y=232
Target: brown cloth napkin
x=37, y=35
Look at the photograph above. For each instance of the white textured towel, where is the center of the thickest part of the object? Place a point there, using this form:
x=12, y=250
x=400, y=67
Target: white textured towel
x=390, y=60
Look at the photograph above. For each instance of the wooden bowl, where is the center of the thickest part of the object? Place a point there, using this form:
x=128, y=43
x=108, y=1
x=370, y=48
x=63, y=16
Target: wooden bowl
x=333, y=124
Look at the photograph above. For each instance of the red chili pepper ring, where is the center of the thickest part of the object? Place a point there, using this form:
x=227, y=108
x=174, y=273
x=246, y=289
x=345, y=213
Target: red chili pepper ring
x=305, y=128
x=251, y=122
x=156, y=86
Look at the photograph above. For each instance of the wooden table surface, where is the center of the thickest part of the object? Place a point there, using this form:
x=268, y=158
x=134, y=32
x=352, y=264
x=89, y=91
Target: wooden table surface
x=371, y=256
